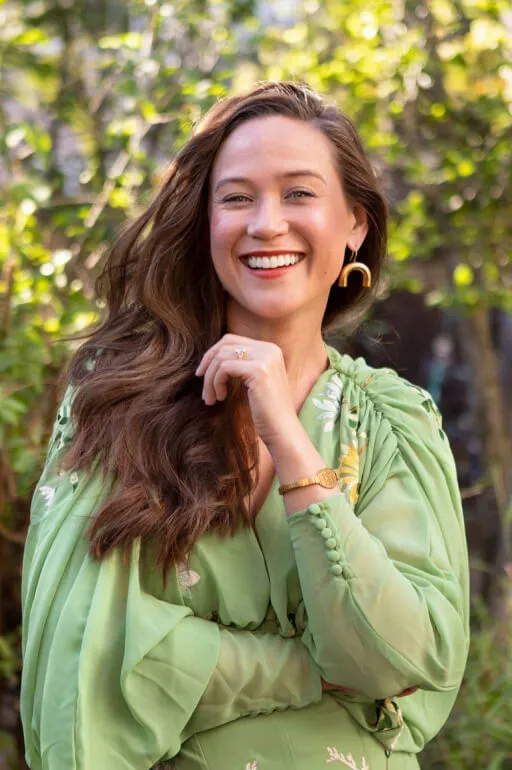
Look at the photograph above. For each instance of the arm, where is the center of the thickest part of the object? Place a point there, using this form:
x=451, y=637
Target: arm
x=256, y=674
x=113, y=675
x=385, y=587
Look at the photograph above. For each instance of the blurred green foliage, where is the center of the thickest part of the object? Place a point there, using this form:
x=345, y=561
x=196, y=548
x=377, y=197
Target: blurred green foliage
x=96, y=97
x=479, y=731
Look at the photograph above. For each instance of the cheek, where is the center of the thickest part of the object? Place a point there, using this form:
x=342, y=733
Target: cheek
x=223, y=228
x=321, y=228
x=329, y=222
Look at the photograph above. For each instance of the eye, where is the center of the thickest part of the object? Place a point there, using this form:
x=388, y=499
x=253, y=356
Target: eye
x=302, y=192
x=234, y=198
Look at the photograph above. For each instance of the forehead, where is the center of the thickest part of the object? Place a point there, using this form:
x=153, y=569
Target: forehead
x=274, y=143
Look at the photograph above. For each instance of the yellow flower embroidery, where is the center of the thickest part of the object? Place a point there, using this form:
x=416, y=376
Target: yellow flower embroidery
x=349, y=468
x=349, y=472
x=348, y=761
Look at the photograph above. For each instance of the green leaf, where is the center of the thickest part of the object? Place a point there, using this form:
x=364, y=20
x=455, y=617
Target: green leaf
x=10, y=409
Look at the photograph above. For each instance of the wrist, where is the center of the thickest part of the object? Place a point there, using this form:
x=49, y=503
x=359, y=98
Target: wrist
x=288, y=441
x=295, y=457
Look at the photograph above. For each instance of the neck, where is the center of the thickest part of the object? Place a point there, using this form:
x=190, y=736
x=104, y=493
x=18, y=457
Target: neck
x=301, y=342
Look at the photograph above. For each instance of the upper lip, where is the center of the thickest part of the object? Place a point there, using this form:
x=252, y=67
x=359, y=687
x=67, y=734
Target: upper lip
x=273, y=253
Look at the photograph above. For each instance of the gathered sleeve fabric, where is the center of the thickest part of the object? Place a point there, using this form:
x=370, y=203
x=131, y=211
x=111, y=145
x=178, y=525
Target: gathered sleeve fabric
x=383, y=565
x=115, y=677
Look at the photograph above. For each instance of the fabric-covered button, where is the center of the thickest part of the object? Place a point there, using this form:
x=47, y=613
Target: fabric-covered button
x=331, y=543
x=319, y=524
x=314, y=508
x=337, y=569
x=333, y=556
x=327, y=533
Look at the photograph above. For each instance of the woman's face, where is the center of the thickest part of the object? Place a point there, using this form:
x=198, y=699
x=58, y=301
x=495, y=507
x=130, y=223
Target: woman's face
x=274, y=190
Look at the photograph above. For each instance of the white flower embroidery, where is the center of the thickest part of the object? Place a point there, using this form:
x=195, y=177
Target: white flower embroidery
x=251, y=766
x=329, y=405
x=48, y=495
x=348, y=761
x=186, y=579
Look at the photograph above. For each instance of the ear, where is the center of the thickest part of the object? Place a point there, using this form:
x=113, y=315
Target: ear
x=359, y=228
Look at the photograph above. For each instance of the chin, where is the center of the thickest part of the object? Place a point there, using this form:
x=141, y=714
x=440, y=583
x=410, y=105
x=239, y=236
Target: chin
x=273, y=314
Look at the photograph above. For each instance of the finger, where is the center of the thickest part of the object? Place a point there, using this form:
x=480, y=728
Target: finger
x=209, y=396
x=231, y=340
x=226, y=369
x=220, y=379
x=208, y=358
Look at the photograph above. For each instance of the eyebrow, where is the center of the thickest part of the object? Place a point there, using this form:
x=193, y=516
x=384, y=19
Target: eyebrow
x=285, y=175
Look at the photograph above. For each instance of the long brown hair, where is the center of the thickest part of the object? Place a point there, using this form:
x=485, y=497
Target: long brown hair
x=182, y=467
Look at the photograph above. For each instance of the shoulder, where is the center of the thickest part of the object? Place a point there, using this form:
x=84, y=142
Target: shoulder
x=63, y=429
x=403, y=407
x=396, y=428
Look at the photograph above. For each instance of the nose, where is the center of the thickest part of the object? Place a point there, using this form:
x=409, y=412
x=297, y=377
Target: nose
x=267, y=221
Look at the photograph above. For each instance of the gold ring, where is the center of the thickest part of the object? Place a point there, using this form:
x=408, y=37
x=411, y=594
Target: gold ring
x=241, y=353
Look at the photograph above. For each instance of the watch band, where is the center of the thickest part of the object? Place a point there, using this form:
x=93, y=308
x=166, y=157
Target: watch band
x=327, y=478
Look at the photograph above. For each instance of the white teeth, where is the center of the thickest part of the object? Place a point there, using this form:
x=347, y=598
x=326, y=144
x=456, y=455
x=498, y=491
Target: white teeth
x=271, y=262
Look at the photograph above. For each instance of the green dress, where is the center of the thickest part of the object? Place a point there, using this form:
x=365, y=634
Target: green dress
x=221, y=669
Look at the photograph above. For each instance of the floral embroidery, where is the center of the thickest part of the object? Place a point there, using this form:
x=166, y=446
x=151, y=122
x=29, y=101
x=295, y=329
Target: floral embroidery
x=60, y=438
x=348, y=761
x=186, y=579
x=251, y=766
x=349, y=472
x=48, y=495
x=330, y=402
x=349, y=462
x=370, y=378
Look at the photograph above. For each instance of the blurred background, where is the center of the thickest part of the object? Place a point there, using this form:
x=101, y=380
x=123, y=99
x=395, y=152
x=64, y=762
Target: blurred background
x=97, y=96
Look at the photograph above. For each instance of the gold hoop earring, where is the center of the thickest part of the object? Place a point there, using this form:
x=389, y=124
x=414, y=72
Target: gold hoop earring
x=359, y=267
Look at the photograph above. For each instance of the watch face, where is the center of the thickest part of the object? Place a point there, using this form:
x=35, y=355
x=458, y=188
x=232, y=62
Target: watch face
x=327, y=478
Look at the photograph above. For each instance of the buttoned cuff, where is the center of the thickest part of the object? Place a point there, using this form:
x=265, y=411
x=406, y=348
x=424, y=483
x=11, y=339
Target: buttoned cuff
x=324, y=529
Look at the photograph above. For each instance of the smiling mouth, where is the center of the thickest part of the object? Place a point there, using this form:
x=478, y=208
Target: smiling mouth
x=262, y=263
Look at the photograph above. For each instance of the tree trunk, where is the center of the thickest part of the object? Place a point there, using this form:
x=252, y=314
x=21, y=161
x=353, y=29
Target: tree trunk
x=497, y=444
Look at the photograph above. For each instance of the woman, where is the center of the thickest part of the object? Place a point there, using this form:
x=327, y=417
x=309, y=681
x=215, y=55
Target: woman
x=246, y=550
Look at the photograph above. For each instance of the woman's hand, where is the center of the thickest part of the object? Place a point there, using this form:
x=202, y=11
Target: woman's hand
x=326, y=687
x=264, y=375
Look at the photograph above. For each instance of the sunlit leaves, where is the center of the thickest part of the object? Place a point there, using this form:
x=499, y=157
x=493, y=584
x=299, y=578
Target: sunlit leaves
x=103, y=102
x=463, y=275
x=130, y=40
x=428, y=85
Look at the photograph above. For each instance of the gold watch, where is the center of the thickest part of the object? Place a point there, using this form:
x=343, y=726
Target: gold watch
x=327, y=478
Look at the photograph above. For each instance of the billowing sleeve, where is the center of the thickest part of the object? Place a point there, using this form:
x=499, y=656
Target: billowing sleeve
x=111, y=674
x=256, y=673
x=384, y=570
x=114, y=677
